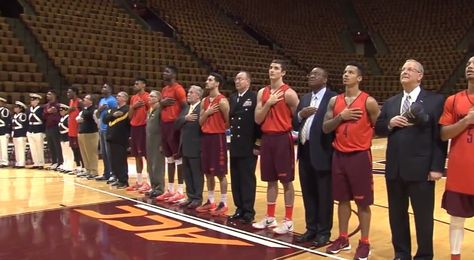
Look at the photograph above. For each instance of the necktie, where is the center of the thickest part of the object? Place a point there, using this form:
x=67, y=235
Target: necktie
x=307, y=125
x=191, y=109
x=406, y=105
x=238, y=97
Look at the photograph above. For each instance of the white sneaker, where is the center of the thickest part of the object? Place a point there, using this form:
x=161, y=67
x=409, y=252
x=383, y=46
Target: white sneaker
x=82, y=174
x=285, y=227
x=265, y=222
x=53, y=166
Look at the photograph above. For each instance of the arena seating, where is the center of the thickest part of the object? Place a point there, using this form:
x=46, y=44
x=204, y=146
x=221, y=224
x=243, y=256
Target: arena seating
x=307, y=32
x=222, y=43
x=93, y=42
x=423, y=30
x=18, y=73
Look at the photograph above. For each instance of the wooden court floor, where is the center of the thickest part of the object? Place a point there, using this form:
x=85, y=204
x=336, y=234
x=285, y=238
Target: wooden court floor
x=24, y=192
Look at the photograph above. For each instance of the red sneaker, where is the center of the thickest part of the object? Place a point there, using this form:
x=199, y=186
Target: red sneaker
x=207, y=207
x=220, y=211
x=144, y=188
x=165, y=196
x=177, y=197
x=134, y=187
x=362, y=251
x=340, y=244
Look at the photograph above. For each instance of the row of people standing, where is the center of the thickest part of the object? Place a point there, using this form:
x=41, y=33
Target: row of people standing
x=417, y=129
x=345, y=125
x=33, y=123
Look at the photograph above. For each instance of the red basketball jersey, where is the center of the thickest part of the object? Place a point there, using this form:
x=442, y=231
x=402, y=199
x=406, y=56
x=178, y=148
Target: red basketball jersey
x=356, y=135
x=279, y=117
x=460, y=164
x=175, y=91
x=72, y=122
x=215, y=123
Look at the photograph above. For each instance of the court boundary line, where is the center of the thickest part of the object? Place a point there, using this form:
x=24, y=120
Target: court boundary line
x=312, y=251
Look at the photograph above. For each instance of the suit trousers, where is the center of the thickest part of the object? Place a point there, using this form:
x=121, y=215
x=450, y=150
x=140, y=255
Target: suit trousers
x=193, y=178
x=155, y=162
x=88, y=144
x=421, y=196
x=3, y=150
x=36, y=143
x=54, y=145
x=105, y=152
x=316, y=187
x=118, y=161
x=20, y=146
x=244, y=183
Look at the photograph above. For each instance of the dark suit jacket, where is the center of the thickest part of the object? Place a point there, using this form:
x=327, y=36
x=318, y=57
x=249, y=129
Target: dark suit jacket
x=244, y=130
x=320, y=143
x=190, y=139
x=413, y=151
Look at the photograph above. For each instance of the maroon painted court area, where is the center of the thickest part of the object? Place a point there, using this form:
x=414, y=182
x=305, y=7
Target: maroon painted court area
x=121, y=230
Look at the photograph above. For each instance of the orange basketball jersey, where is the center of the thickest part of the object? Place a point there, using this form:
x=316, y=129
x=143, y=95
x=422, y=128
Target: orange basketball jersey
x=279, y=117
x=139, y=115
x=356, y=135
x=460, y=165
x=215, y=123
x=175, y=91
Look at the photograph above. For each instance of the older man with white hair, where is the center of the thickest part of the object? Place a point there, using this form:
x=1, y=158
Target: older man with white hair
x=118, y=132
x=190, y=145
x=415, y=160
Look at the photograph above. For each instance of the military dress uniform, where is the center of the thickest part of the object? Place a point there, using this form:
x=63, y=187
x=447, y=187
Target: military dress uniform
x=68, y=155
x=243, y=161
x=35, y=135
x=5, y=124
x=19, y=128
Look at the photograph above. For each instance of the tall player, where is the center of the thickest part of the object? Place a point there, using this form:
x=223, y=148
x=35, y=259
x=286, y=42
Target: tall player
x=352, y=115
x=276, y=105
x=173, y=101
x=457, y=124
x=214, y=119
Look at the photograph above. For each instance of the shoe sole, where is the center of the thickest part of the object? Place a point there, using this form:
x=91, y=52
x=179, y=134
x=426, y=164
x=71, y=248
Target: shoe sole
x=180, y=201
x=337, y=251
x=204, y=210
x=174, y=201
x=365, y=257
x=162, y=199
x=131, y=188
x=219, y=214
x=269, y=226
x=282, y=233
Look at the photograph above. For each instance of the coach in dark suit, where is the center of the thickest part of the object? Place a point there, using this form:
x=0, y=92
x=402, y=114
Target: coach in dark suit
x=314, y=155
x=190, y=146
x=243, y=158
x=415, y=159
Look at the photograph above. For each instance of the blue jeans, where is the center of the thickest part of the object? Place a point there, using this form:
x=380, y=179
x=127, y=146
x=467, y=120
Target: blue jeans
x=105, y=151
